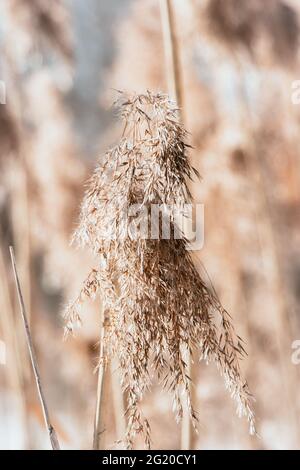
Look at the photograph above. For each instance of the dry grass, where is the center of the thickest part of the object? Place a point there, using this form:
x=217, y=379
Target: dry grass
x=159, y=309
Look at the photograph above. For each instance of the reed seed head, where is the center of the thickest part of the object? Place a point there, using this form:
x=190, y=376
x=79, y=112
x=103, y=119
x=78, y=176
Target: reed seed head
x=158, y=310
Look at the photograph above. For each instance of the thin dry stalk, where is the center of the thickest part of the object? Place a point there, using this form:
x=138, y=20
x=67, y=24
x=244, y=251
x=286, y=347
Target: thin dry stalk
x=118, y=400
x=99, y=427
x=171, y=52
x=51, y=431
x=187, y=428
x=10, y=332
x=173, y=70
x=101, y=395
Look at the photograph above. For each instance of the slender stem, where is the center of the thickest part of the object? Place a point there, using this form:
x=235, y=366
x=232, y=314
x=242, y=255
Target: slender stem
x=118, y=400
x=171, y=52
x=99, y=428
x=175, y=89
x=11, y=332
x=186, y=424
x=51, y=431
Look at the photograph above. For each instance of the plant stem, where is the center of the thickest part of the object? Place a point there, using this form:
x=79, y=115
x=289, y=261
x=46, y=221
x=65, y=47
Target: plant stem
x=171, y=52
x=118, y=400
x=51, y=431
x=186, y=425
x=99, y=428
x=10, y=329
x=175, y=89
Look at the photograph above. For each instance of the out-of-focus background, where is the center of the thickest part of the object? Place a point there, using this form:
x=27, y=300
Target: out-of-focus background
x=60, y=63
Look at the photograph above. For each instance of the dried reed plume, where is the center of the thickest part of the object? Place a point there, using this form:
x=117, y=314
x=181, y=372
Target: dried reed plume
x=157, y=307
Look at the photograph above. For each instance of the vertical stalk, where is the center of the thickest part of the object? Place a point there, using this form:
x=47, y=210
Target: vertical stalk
x=99, y=428
x=186, y=425
x=175, y=89
x=118, y=401
x=51, y=431
x=9, y=328
x=171, y=51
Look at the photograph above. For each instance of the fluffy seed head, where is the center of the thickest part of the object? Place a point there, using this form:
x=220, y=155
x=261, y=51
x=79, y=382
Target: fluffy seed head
x=157, y=308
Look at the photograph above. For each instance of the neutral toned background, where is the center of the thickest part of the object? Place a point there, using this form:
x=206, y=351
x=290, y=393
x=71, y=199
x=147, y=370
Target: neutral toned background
x=60, y=62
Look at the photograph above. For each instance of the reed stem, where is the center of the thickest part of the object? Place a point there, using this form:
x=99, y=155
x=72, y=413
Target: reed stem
x=175, y=90
x=51, y=431
x=118, y=398
x=171, y=52
x=99, y=428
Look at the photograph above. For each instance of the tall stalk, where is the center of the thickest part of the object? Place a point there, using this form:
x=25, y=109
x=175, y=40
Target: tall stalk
x=173, y=72
x=99, y=428
x=119, y=400
x=10, y=329
x=51, y=431
x=175, y=91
